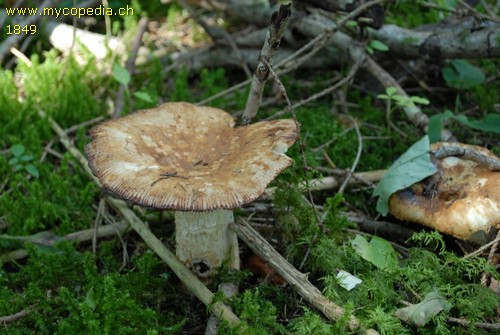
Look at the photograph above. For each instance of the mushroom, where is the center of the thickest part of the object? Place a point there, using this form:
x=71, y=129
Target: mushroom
x=191, y=159
x=462, y=199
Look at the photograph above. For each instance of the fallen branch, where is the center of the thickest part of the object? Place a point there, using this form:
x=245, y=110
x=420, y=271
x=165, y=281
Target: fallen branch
x=14, y=317
x=460, y=43
x=193, y=284
x=291, y=275
x=49, y=240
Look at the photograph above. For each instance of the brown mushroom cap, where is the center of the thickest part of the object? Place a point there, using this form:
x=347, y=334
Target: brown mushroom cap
x=461, y=199
x=185, y=157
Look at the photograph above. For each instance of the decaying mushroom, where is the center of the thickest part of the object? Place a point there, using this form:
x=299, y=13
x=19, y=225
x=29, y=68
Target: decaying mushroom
x=192, y=160
x=462, y=199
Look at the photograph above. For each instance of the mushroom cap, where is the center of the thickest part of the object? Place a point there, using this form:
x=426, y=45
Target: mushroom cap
x=462, y=199
x=185, y=157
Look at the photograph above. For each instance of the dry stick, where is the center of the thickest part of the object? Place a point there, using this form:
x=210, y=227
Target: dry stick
x=346, y=79
x=14, y=39
x=470, y=154
x=291, y=275
x=329, y=183
x=358, y=156
x=14, y=317
x=193, y=284
x=130, y=65
x=276, y=30
x=79, y=236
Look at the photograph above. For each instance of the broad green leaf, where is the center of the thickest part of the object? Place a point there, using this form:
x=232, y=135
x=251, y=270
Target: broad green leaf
x=378, y=45
x=420, y=314
x=121, y=74
x=436, y=125
x=90, y=299
x=26, y=158
x=378, y=251
x=413, y=166
x=383, y=96
x=32, y=170
x=490, y=123
x=17, y=150
x=143, y=96
x=13, y=161
x=461, y=74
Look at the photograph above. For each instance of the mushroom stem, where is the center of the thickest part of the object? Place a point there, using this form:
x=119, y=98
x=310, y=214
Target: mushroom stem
x=204, y=242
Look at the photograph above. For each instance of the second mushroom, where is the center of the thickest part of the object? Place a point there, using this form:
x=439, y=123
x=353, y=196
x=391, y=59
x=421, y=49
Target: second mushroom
x=192, y=160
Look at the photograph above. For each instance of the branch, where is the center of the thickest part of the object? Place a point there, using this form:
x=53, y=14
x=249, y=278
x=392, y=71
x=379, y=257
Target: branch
x=276, y=30
x=460, y=43
x=291, y=275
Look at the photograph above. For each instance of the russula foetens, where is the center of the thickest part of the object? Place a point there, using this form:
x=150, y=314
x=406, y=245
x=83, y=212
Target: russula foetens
x=191, y=159
x=462, y=199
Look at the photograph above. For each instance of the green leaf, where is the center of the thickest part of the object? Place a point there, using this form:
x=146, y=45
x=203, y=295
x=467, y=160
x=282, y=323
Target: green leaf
x=90, y=299
x=26, y=158
x=420, y=314
x=121, y=74
x=13, y=161
x=419, y=100
x=378, y=251
x=32, y=170
x=144, y=96
x=436, y=125
x=490, y=123
x=461, y=74
x=378, y=45
x=413, y=166
x=383, y=96
x=391, y=90
x=17, y=150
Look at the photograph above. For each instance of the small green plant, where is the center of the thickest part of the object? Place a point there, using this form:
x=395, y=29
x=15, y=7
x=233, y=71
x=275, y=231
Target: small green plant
x=21, y=160
x=392, y=96
x=376, y=45
x=461, y=74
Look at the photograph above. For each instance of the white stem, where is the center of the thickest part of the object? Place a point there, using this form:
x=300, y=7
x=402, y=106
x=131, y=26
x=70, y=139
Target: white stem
x=204, y=242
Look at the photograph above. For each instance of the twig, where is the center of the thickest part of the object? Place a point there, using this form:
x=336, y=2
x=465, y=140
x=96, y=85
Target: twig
x=467, y=153
x=356, y=160
x=193, y=284
x=482, y=248
x=291, y=275
x=79, y=236
x=466, y=323
x=349, y=77
x=276, y=30
x=130, y=65
x=14, y=317
x=329, y=183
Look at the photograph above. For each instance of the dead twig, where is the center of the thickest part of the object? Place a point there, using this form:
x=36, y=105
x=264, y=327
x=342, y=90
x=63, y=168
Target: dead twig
x=14, y=317
x=276, y=30
x=130, y=65
x=356, y=160
x=467, y=153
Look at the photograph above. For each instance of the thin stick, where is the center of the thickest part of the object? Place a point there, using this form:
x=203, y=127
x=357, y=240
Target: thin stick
x=466, y=153
x=358, y=156
x=130, y=65
x=193, y=284
x=14, y=317
x=291, y=275
x=276, y=30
